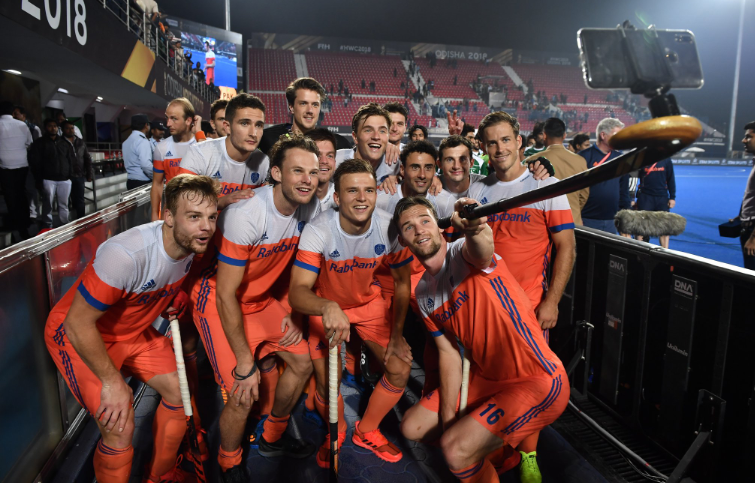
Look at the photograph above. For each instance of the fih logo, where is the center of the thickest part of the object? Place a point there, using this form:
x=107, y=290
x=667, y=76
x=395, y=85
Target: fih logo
x=335, y=254
x=616, y=265
x=379, y=249
x=149, y=285
x=430, y=303
x=683, y=287
x=255, y=177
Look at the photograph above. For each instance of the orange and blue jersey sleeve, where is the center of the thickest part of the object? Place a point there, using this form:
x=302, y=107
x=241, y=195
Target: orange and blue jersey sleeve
x=107, y=279
x=309, y=256
x=558, y=214
x=238, y=235
x=158, y=161
x=398, y=255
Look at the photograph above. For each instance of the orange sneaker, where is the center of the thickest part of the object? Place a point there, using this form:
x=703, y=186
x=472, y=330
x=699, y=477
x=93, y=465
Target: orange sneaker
x=174, y=475
x=377, y=443
x=323, y=454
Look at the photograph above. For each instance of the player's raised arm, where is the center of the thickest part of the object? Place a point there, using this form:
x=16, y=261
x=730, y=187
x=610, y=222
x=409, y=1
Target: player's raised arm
x=245, y=389
x=479, y=247
x=116, y=396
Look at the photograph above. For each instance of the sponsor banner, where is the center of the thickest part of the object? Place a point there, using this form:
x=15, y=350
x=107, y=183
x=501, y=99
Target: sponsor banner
x=97, y=35
x=712, y=162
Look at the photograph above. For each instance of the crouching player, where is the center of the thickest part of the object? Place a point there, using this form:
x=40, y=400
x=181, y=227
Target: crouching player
x=340, y=252
x=102, y=328
x=517, y=385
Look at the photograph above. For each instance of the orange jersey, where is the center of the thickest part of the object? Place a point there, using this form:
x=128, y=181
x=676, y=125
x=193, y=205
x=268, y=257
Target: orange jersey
x=489, y=313
x=346, y=264
x=167, y=156
x=132, y=279
x=210, y=158
x=253, y=234
x=522, y=235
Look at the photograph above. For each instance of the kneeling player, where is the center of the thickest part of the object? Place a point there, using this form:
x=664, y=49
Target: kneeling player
x=102, y=327
x=340, y=252
x=517, y=384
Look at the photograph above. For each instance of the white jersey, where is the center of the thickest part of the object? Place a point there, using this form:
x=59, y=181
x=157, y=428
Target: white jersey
x=210, y=158
x=327, y=202
x=443, y=202
x=473, y=178
x=383, y=170
x=167, y=156
x=490, y=189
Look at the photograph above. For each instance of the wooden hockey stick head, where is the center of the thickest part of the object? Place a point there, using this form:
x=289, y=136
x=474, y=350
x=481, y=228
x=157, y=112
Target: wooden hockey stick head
x=665, y=135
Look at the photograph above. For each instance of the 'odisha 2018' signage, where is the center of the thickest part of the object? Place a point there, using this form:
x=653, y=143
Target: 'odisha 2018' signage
x=460, y=54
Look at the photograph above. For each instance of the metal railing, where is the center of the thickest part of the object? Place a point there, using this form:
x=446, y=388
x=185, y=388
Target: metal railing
x=149, y=32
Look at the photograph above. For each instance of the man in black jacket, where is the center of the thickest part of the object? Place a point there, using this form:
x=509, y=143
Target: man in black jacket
x=51, y=161
x=82, y=170
x=305, y=97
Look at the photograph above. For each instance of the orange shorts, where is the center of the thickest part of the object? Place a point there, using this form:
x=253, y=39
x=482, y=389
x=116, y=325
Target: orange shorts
x=513, y=409
x=147, y=355
x=263, y=332
x=371, y=321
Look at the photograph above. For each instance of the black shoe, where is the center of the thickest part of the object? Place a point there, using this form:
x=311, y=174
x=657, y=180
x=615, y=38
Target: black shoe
x=286, y=446
x=236, y=474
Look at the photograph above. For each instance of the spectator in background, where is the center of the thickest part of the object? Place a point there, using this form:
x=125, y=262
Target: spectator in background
x=579, y=142
x=364, y=84
x=564, y=163
x=209, y=63
x=198, y=73
x=19, y=113
x=747, y=211
x=61, y=118
x=418, y=132
x=539, y=137
x=608, y=197
x=217, y=117
x=156, y=133
x=657, y=190
x=15, y=139
x=82, y=170
x=51, y=160
x=137, y=153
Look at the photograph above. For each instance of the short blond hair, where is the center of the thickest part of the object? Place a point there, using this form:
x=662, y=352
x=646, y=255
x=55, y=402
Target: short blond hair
x=186, y=104
x=203, y=186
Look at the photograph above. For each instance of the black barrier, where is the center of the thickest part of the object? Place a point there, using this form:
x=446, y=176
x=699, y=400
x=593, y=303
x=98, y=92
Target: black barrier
x=682, y=354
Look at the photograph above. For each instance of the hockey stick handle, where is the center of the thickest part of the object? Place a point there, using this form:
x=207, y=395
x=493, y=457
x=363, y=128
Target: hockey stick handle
x=464, y=381
x=333, y=367
x=183, y=382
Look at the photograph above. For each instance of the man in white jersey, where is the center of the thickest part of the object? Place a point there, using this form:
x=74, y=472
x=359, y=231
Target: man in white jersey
x=103, y=326
x=217, y=117
x=326, y=144
x=233, y=160
x=454, y=162
x=399, y=115
x=184, y=127
x=243, y=323
x=340, y=252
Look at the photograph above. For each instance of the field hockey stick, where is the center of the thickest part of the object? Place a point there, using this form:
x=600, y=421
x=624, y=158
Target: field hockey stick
x=333, y=410
x=464, y=381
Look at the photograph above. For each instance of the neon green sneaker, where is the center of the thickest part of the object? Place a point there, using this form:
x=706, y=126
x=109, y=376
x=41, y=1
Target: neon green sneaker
x=529, y=472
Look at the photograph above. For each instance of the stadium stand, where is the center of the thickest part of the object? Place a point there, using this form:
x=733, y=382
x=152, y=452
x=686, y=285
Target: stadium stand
x=466, y=71
x=271, y=70
x=330, y=68
x=560, y=79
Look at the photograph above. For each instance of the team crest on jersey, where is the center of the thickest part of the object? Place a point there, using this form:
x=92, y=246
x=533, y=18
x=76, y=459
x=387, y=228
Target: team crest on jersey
x=379, y=249
x=217, y=175
x=188, y=266
x=300, y=226
x=430, y=303
x=255, y=177
x=335, y=254
x=149, y=285
x=168, y=154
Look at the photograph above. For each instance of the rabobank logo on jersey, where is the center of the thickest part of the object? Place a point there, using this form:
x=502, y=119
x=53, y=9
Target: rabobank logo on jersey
x=519, y=217
x=227, y=190
x=266, y=252
x=379, y=249
x=255, y=177
x=454, y=307
x=333, y=267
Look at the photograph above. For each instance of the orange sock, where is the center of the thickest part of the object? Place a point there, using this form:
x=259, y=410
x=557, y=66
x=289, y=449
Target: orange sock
x=482, y=472
x=268, y=383
x=382, y=400
x=529, y=443
x=229, y=459
x=169, y=427
x=311, y=390
x=322, y=408
x=113, y=464
x=274, y=427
